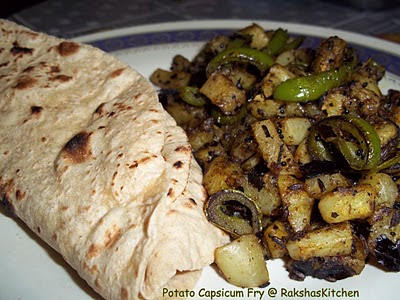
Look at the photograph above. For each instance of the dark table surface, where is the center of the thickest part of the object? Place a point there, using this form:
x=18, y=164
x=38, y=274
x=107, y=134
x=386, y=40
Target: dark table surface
x=71, y=18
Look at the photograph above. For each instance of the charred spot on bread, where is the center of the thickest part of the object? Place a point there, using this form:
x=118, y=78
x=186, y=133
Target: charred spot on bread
x=78, y=149
x=18, y=50
x=36, y=110
x=25, y=83
x=178, y=164
x=67, y=48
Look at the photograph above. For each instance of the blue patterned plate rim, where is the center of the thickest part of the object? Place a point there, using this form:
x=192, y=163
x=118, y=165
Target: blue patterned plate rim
x=385, y=53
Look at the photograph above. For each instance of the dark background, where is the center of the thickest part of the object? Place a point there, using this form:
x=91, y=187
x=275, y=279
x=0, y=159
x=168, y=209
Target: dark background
x=8, y=7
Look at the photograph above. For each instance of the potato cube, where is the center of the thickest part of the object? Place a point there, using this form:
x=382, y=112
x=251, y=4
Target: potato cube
x=242, y=262
x=347, y=204
x=328, y=241
x=223, y=93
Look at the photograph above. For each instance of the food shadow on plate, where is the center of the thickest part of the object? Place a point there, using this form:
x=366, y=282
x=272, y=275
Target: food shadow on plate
x=54, y=255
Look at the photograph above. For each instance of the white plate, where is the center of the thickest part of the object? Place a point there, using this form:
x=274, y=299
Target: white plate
x=32, y=270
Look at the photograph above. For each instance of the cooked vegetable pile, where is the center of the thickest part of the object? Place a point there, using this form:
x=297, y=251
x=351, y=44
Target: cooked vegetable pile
x=300, y=153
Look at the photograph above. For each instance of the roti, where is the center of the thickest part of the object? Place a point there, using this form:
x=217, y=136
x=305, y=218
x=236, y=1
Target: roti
x=91, y=162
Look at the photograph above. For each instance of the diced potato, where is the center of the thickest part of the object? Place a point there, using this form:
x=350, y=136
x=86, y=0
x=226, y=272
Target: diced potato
x=242, y=262
x=294, y=130
x=328, y=241
x=276, y=75
x=199, y=138
x=320, y=185
x=185, y=115
x=170, y=80
x=243, y=146
x=180, y=63
x=299, y=206
x=277, y=156
x=223, y=93
x=262, y=108
x=251, y=162
x=259, y=38
x=267, y=198
x=218, y=44
x=206, y=154
x=222, y=174
x=286, y=57
x=275, y=237
x=387, y=131
x=287, y=184
x=385, y=187
x=302, y=156
x=334, y=104
x=356, y=260
x=369, y=84
x=240, y=77
x=347, y=204
x=382, y=224
x=296, y=201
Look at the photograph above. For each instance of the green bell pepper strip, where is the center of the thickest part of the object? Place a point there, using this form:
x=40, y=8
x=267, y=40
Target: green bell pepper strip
x=217, y=212
x=192, y=96
x=354, y=137
x=277, y=42
x=308, y=88
x=372, y=139
x=261, y=60
x=296, y=43
x=222, y=119
x=388, y=163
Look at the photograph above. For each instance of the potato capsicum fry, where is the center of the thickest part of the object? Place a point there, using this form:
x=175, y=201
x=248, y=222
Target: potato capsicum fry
x=228, y=217
x=307, y=88
x=261, y=60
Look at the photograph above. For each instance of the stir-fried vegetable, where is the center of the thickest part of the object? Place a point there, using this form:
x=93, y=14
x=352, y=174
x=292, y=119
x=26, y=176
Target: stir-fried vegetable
x=312, y=87
x=228, y=209
x=300, y=151
x=261, y=60
x=355, y=139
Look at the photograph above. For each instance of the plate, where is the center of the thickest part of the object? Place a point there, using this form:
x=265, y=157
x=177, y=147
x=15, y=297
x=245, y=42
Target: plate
x=32, y=270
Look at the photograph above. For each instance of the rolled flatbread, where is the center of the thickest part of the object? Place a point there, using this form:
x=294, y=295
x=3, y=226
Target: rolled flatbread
x=91, y=162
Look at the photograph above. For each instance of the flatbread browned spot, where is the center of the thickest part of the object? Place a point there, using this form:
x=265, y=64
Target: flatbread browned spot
x=19, y=194
x=36, y=110
x=28, y=69
x=25, y=83
x=113, y=237
x=55, y=69
x=67, y=48
x=78, y=149
x=93, y=251
x=116, y=73
x=61, y=78
x=18, y=50
x=124, y=294
x=178, y=164
x=93, y=270
x=182, y=148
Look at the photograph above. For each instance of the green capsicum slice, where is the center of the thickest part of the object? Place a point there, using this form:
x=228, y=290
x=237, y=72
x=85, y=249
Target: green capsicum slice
x=352, y=136
x=312, y=87
x=234, y=212
x=277, y=42
x=260, y=59
x=372, y=139
x=222, y=119
x=388, y=164
x=294, y=44
x=192, y=96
